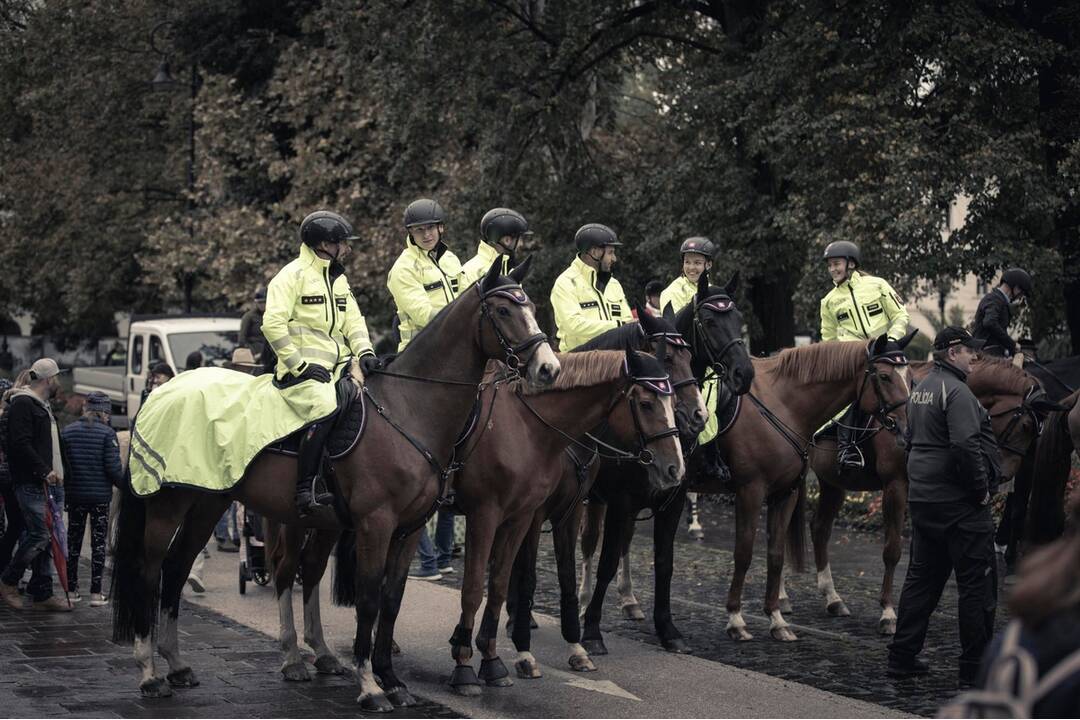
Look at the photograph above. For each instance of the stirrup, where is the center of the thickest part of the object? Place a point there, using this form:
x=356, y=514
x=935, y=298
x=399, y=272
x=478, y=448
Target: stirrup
x=851, y=458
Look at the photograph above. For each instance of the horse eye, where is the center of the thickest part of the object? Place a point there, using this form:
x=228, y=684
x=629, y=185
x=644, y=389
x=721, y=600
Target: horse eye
x=884, y=377
x=503, y=312
x=647, y=405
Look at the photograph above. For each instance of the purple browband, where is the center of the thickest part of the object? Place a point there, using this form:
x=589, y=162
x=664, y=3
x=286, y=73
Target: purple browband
x=717, y=303
x=512, y=293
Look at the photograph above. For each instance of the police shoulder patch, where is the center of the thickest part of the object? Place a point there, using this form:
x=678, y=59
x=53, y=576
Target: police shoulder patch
x=589, y=304
x=312, y=300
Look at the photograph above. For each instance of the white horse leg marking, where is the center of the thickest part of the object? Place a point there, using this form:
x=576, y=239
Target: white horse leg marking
x=825, y=586
x=695, y=520
x=735, y=621
x=576, y=650
x=888, y=613
x=626, y=582
x=368, y=686
x=776, y=620
x=585, y=589
x=526, y=656
x=169, y=642
x=287, y=634
x=144, y=656
x=313, y=628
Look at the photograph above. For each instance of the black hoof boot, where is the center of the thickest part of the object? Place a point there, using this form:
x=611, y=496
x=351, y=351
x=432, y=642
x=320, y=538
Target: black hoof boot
x=676, y=645
x=594, y=646
x=464, y=681
x=155, y=687
x=183, y=679
x=494, y=673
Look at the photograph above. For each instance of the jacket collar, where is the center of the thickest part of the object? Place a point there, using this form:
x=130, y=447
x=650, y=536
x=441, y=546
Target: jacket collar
x=853, y=279
x=949, y=367
x=434, y=256
x=310, y=257
x=998, y=289
x=486, y=252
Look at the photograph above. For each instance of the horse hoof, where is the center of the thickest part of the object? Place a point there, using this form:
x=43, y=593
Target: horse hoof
x=581, y=663
x=887, y=626
x=528, y=670
x=594, y=646
x=464, y=681
x=395, y=649
x=739, y=634
x=633, y=612
x=329, y=665
x=375, y=704
x=296, y=672
x=401, y=697
x=785, y=606
x=676, y=645
x=494, y=673
x=155, y=687
x=837, y=608
x=783, y=634
x=183, y=679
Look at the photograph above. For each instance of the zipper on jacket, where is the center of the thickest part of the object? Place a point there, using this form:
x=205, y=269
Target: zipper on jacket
x=604, y=315
x=446, y=279
x=855, y=306
x=332, y=312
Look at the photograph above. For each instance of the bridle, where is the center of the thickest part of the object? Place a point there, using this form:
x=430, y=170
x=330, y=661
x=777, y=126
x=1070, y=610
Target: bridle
x=674, y=339
x=1018, y=412
x=883, y=413
x=720, y=303
x=515, y=294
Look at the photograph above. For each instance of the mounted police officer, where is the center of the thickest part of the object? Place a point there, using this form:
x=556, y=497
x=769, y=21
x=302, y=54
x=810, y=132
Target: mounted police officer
x=859, y=307
x=427, y=276
x=313, y=324
x=586, y=298
x=501, y=230
x=697, y=258
x=952, y=468
x=994, y=313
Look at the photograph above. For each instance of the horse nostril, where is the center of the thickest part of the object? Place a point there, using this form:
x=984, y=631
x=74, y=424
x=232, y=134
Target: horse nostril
x=673, y=472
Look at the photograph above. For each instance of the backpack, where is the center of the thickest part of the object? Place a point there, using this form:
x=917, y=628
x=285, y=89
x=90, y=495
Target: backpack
x=1013, y=686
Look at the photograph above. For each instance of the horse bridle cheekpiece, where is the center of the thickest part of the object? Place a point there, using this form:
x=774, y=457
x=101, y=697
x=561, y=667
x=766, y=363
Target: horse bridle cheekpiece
x=674, y=339
x=884, y=409
x=719, y=303
x=515, y=294
x=661, y=385
x=1024, y=408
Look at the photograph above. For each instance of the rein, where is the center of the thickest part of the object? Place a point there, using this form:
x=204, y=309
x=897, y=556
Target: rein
x=1018, y=413
x=718, y=303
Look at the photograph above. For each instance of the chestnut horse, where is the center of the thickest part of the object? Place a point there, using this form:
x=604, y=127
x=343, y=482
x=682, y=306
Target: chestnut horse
x=767, y=448
x=1015, y=403
x=390, y=483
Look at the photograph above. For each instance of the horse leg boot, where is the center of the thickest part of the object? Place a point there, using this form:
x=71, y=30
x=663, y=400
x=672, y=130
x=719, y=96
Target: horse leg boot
x=283, y=550
x=316, y=555
x=504, y=550
x=524, y=574
x=198, y=525
x=309, y=467
x=829, y=504
x=665, y=527
x=748, y=499
x=617, y=514
x=397, y=572
x=780, y=510
x=565, y=541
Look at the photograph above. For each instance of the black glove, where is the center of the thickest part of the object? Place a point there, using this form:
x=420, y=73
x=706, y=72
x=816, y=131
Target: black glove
x=314, y=372
x=370, y=363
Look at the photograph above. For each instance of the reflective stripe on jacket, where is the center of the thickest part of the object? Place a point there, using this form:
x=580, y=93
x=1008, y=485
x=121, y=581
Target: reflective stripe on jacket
x=860, y=308
x=311, y=316
x=422, y=284
x=478, y=266
x=582, y=309
x=679, y=293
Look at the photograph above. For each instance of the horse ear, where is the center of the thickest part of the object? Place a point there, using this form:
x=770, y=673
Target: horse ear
x=702, y=286
x=492, y=275
x=880, y=345
x=732, y=285
x=903, y=342
x=648, y=322
x=669, y=313
x=630, y=359
x=521, y=270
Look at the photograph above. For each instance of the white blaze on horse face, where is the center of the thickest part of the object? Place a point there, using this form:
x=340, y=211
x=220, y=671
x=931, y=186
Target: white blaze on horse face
x=543, y=355
x=825, y=586
x=669, y=415
x=905, y=378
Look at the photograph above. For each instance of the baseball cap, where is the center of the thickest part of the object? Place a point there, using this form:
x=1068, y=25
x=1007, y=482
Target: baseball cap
x=44, y=368
x=952, y=335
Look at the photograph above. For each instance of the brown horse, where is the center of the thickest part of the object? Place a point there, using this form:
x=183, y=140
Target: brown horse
x=792, y=395
x=390, y=483
x=1007, y=392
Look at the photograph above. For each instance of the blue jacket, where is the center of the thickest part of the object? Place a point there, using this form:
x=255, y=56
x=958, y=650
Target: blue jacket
x=95, y=462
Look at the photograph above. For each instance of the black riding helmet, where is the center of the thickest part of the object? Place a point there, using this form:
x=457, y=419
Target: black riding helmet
x=500, y=222
x=842, y=249
x=1018, y=278
x=700, y=245
x=325, y=226
x=595, y=235
x=424, y=212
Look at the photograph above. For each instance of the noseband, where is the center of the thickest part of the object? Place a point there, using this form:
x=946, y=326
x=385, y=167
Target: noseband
x=1018, y=413
x=717, y=303
x=515, y=294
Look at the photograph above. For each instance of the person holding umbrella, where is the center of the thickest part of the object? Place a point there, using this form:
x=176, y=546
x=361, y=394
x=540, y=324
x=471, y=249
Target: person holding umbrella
x=35, y=462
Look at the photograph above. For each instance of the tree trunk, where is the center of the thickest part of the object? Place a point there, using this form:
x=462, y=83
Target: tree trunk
x=772, y=297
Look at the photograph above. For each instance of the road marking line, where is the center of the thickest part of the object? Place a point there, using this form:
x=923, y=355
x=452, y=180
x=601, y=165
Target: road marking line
x=606, y=687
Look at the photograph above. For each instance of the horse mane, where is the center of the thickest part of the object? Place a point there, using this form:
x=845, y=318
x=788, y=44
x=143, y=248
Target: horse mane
x=1053, y=461
x=618, y=338
x=995, y=374
x=821, y=362
x=584, y=369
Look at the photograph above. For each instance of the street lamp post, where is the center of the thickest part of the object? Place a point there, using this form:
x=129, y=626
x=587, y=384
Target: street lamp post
x=165, y=82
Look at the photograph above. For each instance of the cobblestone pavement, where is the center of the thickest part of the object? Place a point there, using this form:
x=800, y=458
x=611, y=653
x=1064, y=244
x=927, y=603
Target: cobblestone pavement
x=841, y=655
x=65, y=665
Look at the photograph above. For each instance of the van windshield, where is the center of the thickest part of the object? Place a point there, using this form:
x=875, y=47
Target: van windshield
x=215, y=347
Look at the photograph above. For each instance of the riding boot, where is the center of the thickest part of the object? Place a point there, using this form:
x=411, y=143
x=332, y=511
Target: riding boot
x=713, y=468
x=848, y=454
x=309, y=465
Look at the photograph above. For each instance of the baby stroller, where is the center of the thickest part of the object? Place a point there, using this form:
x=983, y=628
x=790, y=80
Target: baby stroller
x=253, y=565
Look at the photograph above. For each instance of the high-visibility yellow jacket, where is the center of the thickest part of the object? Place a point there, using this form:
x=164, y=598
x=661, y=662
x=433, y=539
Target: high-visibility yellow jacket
x=422, y=284
x=311, y=316
x=582, y=309
x=860, y=308
x=478, y=266
x=679, y=293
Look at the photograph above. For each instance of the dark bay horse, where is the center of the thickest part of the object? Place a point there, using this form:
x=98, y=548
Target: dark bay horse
x=1052, y=465
x=767, y=447
x=1009, y=395
x=389, y=483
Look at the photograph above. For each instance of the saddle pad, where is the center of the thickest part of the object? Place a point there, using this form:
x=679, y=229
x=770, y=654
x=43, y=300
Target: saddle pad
x=202, y=428
x=348, y=428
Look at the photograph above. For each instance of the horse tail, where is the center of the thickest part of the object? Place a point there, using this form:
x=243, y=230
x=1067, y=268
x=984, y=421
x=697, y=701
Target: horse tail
x=1053, y=460
x=345, y=570
x=134, y=600
x=796, y=534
